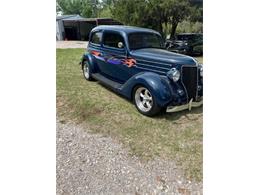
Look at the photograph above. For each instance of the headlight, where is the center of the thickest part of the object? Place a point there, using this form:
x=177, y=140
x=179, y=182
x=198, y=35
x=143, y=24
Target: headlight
x=201, y=70
x=174, y=74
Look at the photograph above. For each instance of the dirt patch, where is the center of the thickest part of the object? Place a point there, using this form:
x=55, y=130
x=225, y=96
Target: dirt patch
x=71, y=44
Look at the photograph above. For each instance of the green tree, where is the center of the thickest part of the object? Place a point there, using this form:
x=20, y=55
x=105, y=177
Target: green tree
x=161, y=15
x=105, y=8
x=196, y=14
x=176, y=11
x=126, y=11
x=105, y=12
x=85, y=8
x=156, y=14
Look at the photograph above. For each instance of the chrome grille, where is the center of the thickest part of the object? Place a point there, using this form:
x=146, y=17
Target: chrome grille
x=190, y=81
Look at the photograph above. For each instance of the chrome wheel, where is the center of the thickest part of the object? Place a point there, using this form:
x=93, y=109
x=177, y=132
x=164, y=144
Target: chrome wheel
x=143, y=99
x=86, y=70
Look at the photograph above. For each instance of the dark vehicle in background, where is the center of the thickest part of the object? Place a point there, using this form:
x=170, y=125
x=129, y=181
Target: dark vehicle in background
x=186, y=43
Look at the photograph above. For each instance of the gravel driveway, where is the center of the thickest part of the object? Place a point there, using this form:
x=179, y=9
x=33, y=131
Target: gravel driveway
x=93, y=164
x=71, y=44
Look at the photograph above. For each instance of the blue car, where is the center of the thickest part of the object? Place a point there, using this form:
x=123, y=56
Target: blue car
x=133, y=62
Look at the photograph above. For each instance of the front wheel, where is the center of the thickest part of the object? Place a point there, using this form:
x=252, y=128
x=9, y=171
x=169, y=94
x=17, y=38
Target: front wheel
x=86, y=71
x=145, y=101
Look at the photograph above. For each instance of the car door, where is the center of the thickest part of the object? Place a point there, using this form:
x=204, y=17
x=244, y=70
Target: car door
x=95, y=49
x=114, y=51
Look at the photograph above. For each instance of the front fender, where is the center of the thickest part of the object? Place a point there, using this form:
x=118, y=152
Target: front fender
x=158, y=85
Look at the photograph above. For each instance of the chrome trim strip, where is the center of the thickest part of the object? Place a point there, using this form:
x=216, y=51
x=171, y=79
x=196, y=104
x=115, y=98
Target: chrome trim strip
x=170, y=65
x=91, y=45
x=114, y=51
x=151, y=70
x=152, y=66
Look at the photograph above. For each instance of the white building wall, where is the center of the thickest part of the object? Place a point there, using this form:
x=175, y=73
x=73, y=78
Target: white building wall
x=59, y=30
x=58, y=38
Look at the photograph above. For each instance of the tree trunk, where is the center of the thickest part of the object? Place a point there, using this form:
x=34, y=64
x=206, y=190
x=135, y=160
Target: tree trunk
x=174, y=26
x=161, y=29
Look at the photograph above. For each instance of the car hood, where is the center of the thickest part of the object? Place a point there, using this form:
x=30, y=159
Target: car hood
x=160, y=55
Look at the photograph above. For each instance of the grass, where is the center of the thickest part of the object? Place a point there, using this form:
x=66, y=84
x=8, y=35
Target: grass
x=174, y=136
x=200, y=59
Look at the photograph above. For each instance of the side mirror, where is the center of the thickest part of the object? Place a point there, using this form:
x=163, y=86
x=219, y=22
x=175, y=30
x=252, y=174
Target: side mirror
x=120, y=45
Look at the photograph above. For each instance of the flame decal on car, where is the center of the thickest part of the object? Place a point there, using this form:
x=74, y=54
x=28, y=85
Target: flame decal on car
x=129, y=62
x=96, y=53
x=113, y=60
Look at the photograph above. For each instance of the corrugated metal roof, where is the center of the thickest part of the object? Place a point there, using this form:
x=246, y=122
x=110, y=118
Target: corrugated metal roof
x=73, y=17
x=81, y=19
x=67, y=17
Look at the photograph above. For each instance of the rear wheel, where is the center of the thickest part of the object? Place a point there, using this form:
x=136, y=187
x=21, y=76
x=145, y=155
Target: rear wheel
x=145, y=101
x=86, y=71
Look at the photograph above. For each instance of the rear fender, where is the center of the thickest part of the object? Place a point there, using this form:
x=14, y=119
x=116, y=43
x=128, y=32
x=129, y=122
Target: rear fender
x=158, y=86
x=91, y=60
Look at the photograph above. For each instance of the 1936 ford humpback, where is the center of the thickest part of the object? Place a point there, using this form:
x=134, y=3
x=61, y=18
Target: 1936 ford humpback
x=134, y=63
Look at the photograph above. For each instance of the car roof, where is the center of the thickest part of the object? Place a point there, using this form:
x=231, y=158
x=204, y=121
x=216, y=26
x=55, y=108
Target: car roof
x=125, y=29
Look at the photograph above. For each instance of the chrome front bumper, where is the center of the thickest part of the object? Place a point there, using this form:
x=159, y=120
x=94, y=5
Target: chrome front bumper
x=188, y=106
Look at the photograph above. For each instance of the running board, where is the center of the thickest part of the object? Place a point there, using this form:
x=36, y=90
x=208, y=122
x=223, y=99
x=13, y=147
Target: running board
x=106, y=81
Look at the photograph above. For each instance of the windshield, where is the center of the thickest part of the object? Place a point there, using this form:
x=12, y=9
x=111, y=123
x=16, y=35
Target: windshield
x=144, y=40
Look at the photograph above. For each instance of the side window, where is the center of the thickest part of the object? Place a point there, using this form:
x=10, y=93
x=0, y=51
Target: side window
x=113, y=40
x=96, y=38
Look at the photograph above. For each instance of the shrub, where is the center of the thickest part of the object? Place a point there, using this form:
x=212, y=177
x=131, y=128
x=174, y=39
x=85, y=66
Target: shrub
x=189, y=27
